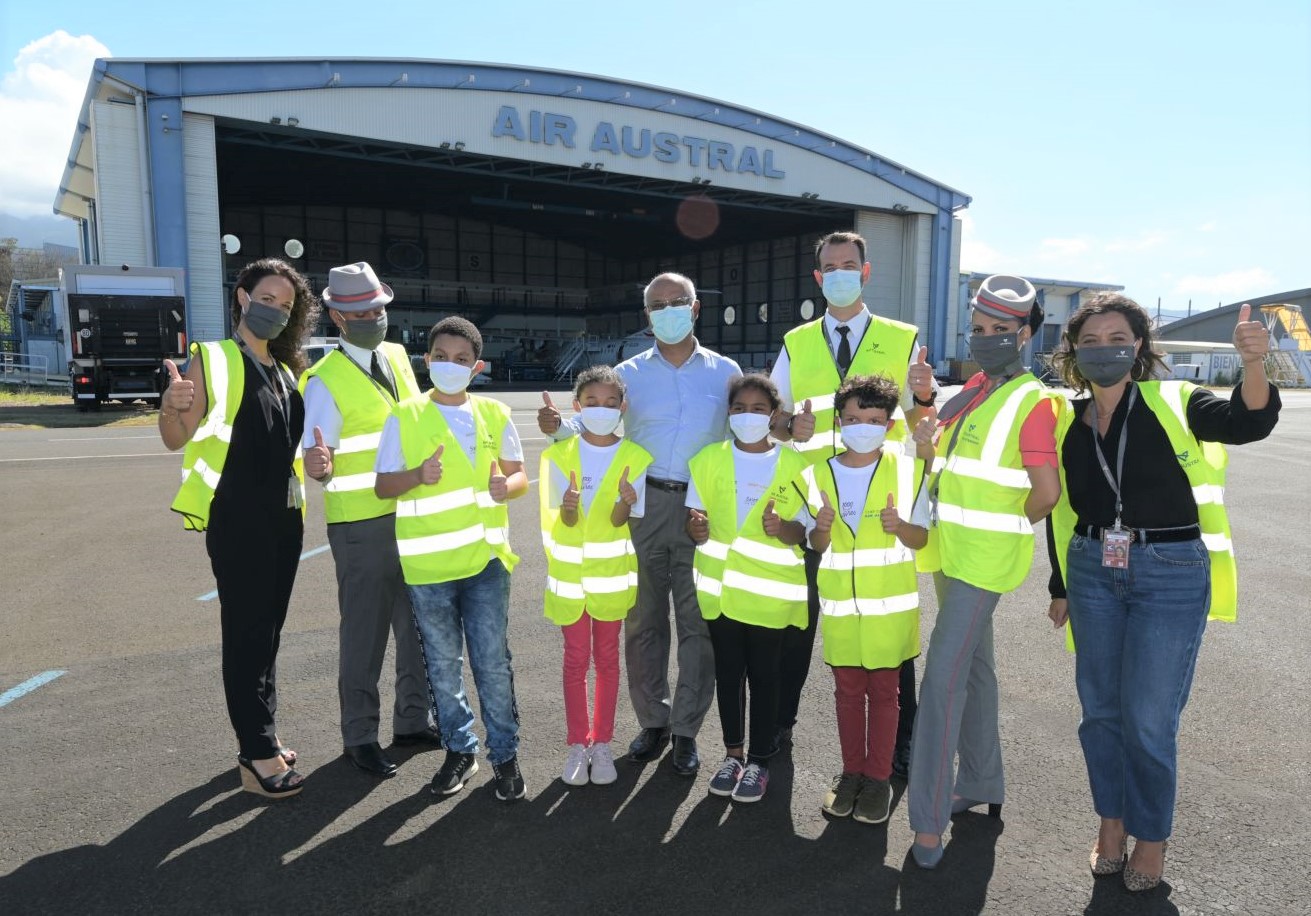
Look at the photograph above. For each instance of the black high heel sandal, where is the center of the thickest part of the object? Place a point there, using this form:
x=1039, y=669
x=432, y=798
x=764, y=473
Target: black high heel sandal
x=961, y=805
x=279, y=785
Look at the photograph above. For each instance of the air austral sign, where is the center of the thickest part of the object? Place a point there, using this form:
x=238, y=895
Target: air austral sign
x=550, y=129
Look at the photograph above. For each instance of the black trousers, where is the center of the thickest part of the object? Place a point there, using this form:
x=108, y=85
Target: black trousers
x=254, y=561
x=794, y=666
x=747, y=656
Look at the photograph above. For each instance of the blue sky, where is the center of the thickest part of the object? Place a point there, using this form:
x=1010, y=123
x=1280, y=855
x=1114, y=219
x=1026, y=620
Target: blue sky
x=1164, y=146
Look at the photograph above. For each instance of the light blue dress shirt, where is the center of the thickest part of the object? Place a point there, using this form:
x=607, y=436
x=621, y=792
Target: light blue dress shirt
x=673, y=411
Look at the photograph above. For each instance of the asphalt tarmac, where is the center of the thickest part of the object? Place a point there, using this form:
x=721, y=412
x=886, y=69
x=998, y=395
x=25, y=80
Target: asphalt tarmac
x=120, y=793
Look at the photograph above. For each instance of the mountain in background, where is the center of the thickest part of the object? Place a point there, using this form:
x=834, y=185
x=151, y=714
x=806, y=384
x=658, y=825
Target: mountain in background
x=35, y=231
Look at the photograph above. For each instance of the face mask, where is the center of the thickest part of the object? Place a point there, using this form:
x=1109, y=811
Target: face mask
x=449, y=378
x=672, y=323
x=265, y=321
x=995, y=354
x=600, y=421
x=863, y=438
x=1104, y=366
x=365, y=333
x=749, y=428
x=842, y=287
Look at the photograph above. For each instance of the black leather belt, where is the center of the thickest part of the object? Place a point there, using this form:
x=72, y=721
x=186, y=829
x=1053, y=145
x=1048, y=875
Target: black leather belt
x=1149, y=535
x=669, y=486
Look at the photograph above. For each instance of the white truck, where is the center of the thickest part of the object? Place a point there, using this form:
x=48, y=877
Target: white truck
x=121, y=323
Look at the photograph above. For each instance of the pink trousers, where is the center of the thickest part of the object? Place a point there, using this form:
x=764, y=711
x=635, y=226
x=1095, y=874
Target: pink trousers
x=590, y=642
x=867, y=704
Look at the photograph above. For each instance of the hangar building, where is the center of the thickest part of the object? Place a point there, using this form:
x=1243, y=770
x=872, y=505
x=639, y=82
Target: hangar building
x=535, y=202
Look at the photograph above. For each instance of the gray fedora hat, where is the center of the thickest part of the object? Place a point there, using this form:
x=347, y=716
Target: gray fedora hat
x=1004, y=296
x=356, y=288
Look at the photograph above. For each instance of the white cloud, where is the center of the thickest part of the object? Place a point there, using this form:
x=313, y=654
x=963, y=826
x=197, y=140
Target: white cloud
x=1063, y=248
x=1208, y=226
x=976, y=255
x=1227, y=287
x=1143, y=242
x=40, y=98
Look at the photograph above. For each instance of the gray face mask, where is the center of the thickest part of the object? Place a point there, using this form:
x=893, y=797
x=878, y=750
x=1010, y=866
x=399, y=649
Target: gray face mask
x=1105, y=366
x=996, y=354
x=265, y=321
x=365, y=333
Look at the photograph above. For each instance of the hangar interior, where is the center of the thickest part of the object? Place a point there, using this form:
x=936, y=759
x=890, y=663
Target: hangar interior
x=531, y=253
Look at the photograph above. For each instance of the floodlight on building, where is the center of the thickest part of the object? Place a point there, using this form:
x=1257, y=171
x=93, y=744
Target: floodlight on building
x=293, y=122
x=459, y=144
x=275, y=120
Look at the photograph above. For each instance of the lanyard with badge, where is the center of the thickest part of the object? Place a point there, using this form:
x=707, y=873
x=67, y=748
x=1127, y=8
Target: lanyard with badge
x=1115, y=540
x=282, y=392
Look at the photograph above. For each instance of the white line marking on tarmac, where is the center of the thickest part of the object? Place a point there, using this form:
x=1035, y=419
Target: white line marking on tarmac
x=210, y=596
x=96, y=457
x=28, y=686
x=97, y=438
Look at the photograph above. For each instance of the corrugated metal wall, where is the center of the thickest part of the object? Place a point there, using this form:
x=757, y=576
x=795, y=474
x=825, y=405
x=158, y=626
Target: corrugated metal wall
x=205, y=303
x=120, y=225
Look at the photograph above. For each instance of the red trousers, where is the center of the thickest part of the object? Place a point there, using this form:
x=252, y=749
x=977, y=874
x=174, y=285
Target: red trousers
x=867, y=705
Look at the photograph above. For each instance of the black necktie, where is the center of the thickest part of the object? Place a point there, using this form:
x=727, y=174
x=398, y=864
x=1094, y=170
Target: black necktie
x=844, y=350
x=380, y=375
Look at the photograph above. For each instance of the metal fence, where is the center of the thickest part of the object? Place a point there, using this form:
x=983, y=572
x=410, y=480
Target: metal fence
x=28, y=371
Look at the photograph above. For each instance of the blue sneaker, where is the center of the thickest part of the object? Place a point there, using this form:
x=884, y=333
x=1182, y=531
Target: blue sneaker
x=726, y=777
x=751, y=787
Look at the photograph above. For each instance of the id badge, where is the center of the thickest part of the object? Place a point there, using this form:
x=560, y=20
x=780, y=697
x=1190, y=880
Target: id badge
x=293, y=493
x=1115, y=548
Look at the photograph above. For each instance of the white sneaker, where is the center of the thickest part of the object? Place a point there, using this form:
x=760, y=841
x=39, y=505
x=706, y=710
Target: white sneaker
x=575, y=766
x=603, y=765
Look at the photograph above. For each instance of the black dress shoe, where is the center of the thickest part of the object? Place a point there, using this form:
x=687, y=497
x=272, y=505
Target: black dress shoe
x=648, y=745
x=370, y=758
x=432, y=735
x=686, y=760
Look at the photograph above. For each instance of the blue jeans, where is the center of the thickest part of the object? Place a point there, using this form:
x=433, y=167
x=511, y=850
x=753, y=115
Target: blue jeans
x=1137, y=632
x=475, y=610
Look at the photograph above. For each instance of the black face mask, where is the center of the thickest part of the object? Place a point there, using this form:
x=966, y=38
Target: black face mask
x=996, y=354
x=1105, y=366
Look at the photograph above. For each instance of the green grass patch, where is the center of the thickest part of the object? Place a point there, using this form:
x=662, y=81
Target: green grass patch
x=37, y=408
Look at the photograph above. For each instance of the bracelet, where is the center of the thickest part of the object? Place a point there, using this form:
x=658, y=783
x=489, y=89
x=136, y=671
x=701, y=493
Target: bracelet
x=929, y=403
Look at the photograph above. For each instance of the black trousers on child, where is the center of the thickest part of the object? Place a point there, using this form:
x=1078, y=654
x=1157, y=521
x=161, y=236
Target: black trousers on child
x=747, y=656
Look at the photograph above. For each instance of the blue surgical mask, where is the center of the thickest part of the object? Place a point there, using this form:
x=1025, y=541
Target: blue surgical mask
x=449, y=378
x=842, y=287
x=672, y=324
x=749, y=428
x=863, y=438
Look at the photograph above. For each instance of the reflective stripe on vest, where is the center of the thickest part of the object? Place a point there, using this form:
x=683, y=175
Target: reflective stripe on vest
x=741, y=572
x=813, y=375
x=364, y=407
x=591, y=565
x=981, y=534
x=451, y=529
x=868, y=591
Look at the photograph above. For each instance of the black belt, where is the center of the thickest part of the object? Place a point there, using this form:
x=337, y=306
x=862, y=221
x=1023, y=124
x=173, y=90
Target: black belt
x=1149, y=535
x=669, y=486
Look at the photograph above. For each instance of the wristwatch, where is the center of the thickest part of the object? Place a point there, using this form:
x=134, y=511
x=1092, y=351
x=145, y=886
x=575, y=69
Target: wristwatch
x=929, y=403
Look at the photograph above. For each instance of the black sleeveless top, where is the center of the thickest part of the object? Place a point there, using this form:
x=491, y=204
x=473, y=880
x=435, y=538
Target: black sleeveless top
x=262, y=449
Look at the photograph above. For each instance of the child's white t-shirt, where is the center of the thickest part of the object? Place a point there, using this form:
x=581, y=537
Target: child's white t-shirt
x=853, y=492
x=753, y=473
x=595, y=461
x=459, y=417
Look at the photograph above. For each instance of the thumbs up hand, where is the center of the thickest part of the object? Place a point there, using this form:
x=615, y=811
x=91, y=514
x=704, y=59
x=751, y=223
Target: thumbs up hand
x=770, y=521
x=698, y=526
x=496, y=484
x=1251, y=339
x=318, y=458
x=181, y=392
x=803, y=423
x=569, y=501
x=430, y=472
x=548, y=415
x=925, y=431
x=920, y=376
x=889, y=517
x=826, y=516
x=627, y=492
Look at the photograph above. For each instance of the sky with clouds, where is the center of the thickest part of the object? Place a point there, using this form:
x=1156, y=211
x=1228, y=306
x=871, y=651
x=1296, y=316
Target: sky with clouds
x=1165, y=147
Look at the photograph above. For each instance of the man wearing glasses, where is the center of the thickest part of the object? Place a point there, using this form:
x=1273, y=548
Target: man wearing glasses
x=677, y=405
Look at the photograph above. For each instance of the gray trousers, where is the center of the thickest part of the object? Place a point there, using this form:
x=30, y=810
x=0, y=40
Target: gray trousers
x=957, y=717
x=664, y=566
x=372, y=599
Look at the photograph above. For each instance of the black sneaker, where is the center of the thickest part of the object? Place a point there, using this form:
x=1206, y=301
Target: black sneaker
x=455, y=772
x=509, y=781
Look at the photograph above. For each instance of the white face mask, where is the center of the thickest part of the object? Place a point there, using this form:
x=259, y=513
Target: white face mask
x=749, y=428
x=842, y=287
x=449, y=378
x=863, y=438
x=600, y=421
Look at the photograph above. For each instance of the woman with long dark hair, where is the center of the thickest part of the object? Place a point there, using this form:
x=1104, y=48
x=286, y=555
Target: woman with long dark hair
x=237, y=411
x=1142, y=556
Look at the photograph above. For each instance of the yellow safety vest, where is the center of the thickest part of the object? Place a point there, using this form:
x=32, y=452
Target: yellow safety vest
x=451, y=529
x=590, y=565
x=364, y=405
x=741, y=572
x=1202, y=462
x=207, y=452
x=884, y=350
x=981, y=535
x=868, y=593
